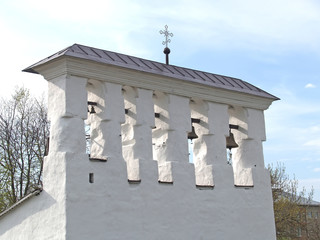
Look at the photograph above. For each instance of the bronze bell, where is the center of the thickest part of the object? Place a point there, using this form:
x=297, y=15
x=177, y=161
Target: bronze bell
x=231, y=143
x=192, y=134
x=92, y=110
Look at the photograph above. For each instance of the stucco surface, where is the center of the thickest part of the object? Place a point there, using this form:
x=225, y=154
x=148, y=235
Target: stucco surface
x=166, y=197
x=113, y=209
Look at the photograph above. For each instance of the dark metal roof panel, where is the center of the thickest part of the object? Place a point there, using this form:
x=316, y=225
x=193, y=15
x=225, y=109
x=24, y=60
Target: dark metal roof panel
x=121, y=60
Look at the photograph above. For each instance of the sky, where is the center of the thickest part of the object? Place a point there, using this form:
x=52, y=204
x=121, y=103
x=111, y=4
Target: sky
x=274, y=45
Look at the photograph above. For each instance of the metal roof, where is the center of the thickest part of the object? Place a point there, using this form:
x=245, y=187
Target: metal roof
x=300, y=200
x=148, y=66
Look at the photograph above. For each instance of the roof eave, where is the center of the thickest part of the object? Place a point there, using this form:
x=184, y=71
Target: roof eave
x=36, y=192
x=30, y=70
x=83, y=53
x=66, y=65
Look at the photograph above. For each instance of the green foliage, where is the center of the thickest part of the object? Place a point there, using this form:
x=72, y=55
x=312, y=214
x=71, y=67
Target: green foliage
x=290, y=206
x=24, y=129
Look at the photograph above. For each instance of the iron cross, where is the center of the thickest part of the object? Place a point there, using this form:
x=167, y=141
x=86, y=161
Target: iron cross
x=167, y=34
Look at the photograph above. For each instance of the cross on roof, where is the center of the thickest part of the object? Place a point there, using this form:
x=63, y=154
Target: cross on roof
x=166, y=34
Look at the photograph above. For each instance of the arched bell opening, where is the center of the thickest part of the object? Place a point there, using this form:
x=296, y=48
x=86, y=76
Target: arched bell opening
x=92, y=125
x=87, y=125
x=231, y=143
x=191, y=136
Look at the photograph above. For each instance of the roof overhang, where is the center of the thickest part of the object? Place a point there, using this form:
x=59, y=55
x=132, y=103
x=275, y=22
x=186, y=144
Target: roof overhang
x=161, y=77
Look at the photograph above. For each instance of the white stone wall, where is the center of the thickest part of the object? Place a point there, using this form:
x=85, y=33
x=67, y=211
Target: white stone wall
x=137, y=130
x=249, y=136
x=144, y=186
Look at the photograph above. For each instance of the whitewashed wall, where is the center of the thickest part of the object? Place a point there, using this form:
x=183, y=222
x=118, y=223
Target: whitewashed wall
x=133, y=194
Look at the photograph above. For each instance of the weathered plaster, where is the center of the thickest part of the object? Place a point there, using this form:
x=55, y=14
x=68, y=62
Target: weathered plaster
x=136, y=131
x=249, y=136
x=70, y=207
x=171, y=128
x=209, y=148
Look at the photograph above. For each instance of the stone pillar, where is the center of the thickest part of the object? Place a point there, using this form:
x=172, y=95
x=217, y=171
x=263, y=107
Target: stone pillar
x=137, y=130
x=170, y=138
x=105, y=126
x=210, y=147
x=67, y=100
x=249, y=137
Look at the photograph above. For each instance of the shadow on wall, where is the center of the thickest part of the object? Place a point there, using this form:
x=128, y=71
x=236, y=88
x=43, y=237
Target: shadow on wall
x=28, y=209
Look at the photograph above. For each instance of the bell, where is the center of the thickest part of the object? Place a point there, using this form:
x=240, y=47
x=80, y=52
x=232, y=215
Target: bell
x=192, y=134
x=92, y=110
x=231, y=143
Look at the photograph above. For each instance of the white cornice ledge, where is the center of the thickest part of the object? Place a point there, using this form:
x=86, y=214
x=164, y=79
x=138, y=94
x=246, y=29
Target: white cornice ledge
x=83, y=68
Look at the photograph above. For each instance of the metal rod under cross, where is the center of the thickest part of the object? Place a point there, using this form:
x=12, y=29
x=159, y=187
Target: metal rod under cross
x=167, y=34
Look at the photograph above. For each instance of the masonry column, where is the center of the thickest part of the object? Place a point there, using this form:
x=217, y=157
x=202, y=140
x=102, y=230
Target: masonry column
x=249, y=136
x=209, y=148
x=105, y=127
x=170, y=139
x=137, y=133
x=67, y=100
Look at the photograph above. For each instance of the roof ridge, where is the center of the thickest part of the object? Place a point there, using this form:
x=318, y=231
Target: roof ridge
x=151, y=66
x=153, y=61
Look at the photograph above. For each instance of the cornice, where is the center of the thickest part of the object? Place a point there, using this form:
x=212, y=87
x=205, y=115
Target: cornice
x=66, y=65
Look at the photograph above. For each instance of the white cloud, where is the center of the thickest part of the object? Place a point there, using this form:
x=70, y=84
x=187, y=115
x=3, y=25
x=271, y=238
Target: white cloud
x=316, y=169
x=309, y=184
x=313, y=143
x=310, y=85
x=267, y=25
x=292, y=127
x=315, y=128
x=283, y=117
x=259, y=24
x=71, y=10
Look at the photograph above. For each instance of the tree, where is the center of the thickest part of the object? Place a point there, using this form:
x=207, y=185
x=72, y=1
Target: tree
x=313, y=228
x=290, y=206
x=24, y=129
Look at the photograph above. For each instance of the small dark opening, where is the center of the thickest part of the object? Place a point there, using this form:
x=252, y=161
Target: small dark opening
x=91, y=178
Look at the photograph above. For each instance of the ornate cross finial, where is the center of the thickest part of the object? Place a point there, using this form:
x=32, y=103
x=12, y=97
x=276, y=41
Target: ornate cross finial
x=167, y=34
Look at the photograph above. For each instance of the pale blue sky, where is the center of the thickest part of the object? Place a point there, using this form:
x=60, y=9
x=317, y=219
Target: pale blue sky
x=272, y=44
